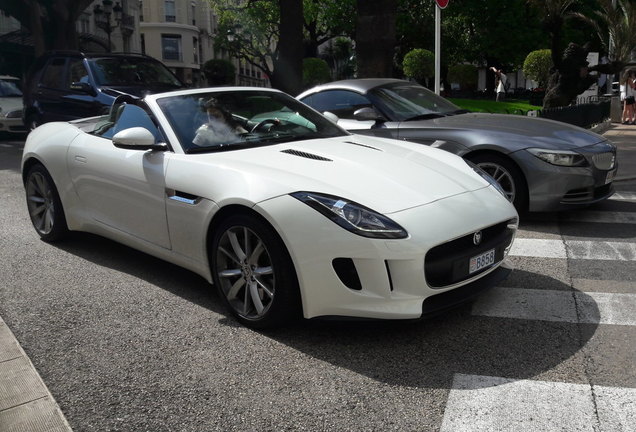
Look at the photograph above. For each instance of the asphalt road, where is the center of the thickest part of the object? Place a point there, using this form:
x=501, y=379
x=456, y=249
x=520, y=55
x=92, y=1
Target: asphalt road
x=126, y=342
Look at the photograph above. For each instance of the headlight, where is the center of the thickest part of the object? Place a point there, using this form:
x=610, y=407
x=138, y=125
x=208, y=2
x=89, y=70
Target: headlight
x=352, y=216
x=560, y=157
x=487, y=177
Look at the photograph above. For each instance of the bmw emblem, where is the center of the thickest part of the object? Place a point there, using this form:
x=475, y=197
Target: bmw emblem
x=477, y=238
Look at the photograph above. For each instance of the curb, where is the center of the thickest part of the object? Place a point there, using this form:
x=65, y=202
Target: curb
x=26, y=404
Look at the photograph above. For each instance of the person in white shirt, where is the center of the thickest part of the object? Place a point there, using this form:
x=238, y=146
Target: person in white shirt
x=219, y=129
x=501, y=79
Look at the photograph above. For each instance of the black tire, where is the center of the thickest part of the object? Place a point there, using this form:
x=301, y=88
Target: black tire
x=44, y=205
x=253, y=272
x=508, y=175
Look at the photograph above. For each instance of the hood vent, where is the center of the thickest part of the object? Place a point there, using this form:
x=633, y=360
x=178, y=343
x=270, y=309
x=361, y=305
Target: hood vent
x=305, y=155
x=363, y=145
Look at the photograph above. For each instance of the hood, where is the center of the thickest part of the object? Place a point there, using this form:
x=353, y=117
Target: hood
x=385, y=175
x=10, y=104
x=518, y=132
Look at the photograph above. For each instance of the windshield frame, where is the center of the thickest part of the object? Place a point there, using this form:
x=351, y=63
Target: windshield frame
x=246, y=107
x=397, y=107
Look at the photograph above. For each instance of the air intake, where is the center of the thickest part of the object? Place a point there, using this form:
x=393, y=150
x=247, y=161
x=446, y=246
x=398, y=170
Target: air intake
x=305, y=155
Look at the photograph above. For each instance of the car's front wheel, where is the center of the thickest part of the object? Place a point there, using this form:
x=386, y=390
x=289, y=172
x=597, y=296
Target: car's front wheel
x=253, y=272
x=44, y=204
x=509, y=177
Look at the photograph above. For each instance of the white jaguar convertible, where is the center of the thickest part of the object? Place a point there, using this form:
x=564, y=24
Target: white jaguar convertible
x=287, y=214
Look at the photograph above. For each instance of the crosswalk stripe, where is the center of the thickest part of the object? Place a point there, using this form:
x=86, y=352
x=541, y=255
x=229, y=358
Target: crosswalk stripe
x=623, y=196
x=599, y=217
x=558, y=306
x=574, y=249
x=483, y=403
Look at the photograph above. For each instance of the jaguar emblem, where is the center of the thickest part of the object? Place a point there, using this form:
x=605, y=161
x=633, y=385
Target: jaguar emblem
x=477, y=238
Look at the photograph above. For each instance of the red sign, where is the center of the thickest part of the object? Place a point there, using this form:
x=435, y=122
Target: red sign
x=442, y=3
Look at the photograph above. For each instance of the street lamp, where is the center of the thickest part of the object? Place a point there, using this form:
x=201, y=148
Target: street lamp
x=102, y=17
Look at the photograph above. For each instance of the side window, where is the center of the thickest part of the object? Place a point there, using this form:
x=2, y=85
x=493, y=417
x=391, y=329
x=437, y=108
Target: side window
x=53, y=74
x=127, y=116
x=342, y=103
x=77, y=72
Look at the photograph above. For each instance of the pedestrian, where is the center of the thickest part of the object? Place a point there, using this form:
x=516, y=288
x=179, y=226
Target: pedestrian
x=629, y=113
x=500, y=83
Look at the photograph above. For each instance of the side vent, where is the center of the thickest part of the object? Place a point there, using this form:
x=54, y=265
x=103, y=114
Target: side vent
x=363, y=145
x=305, y=155
x=346, y=271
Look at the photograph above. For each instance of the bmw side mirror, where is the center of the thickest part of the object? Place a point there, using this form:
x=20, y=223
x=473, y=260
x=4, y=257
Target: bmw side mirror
x=137, y=138
x=83, y=87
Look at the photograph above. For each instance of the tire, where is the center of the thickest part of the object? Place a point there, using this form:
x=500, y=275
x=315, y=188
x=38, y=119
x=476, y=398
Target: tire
x=253, y=272
x=44, y=205
x=509, y=177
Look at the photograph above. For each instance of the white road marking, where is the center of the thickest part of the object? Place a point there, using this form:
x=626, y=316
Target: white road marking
x=599, y=217
x=574, y=249
x=559, y=306
x=482, y=403
x=623, y=196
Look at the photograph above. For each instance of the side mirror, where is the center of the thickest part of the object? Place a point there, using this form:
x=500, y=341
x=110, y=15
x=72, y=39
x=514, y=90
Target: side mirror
x=331, y=116
x=83, y=87
x=137, y=138
x=368, y=113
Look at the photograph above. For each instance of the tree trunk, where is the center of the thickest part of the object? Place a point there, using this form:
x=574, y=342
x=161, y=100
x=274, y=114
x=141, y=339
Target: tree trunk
x=375, y=38
x=288, y=65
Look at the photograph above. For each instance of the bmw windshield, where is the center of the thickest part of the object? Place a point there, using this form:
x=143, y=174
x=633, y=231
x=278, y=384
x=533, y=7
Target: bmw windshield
x=234, y=119
x=404, y=102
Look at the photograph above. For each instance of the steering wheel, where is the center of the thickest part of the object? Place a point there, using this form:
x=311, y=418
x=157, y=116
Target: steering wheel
x=260, y=124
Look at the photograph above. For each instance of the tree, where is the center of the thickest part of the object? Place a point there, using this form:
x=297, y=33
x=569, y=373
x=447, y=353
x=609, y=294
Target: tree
x=419, y=64
x=219, y=72
x=50, y=22
x=315, y=71
x=537, y=66
x=267, y=34
x=375, y=37
x=326, y=20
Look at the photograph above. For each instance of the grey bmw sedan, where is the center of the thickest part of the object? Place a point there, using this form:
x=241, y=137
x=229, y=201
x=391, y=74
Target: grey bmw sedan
x=542, y=165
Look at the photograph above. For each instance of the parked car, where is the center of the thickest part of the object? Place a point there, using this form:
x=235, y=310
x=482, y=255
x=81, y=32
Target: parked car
x=287, y=214
x=10, y=105
x=67, y=85
x=542, y=165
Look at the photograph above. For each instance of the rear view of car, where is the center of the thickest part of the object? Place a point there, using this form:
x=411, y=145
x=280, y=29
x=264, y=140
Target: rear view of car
x=67, y=85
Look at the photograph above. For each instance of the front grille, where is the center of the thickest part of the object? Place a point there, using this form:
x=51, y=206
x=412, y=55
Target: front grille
x=604, y=161
x=448, y=263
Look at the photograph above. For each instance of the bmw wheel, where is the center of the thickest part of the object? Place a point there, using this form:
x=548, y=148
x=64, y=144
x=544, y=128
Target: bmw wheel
x=44, y=205
x=509, y=177
x=253, y=272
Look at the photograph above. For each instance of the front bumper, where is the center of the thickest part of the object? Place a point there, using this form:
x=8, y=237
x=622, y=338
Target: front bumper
x=11, y=125
x=554, y=188
x=391, y=281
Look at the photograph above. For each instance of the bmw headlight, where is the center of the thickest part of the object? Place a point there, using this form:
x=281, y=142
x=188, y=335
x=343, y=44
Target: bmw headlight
x=487, y=177
x=560, y=157
x=352, y=216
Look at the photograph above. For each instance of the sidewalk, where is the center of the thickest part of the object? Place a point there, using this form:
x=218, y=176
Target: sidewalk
x=26, y=405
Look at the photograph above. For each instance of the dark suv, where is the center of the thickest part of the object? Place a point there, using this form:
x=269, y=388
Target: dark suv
x=67, y=85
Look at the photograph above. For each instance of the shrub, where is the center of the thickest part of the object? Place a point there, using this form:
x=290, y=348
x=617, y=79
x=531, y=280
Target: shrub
x=219, y=72
x=419, y=64
x=463, y=74
x=315, y=71
x=537, y=66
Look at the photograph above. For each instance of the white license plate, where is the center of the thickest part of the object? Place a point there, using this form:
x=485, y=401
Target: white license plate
x=481, y=261
x=610, y=176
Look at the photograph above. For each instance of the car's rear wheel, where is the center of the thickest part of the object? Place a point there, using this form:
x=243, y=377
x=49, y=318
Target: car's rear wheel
x=509, y=177
x=253, y=272
x=44, y=205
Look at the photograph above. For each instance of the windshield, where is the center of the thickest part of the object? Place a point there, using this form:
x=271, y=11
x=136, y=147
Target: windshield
x=410, y=102
x=9, y=89
x=229, y=120
x=132, y=71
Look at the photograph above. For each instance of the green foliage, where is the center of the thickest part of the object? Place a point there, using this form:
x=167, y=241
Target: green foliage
x=491, y=106
x=419, y=64
x=463, y=74
x=537, y=66
x=315, y=71
x=219, y=72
